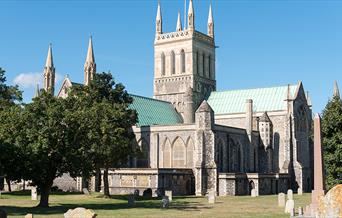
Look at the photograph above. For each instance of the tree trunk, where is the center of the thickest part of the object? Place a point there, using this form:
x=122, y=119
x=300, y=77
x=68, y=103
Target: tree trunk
x=8, y=181
x=98, y=180
x=105, y=183
x=44, y=195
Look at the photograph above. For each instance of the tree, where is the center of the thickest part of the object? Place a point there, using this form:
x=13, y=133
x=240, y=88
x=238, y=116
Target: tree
x=46, y=142
x=332, y=140
x=10, y=100
x=106, y=122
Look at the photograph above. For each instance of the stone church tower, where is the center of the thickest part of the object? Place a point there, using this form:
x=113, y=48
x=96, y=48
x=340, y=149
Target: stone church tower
x=49, y=73
x=184, y=64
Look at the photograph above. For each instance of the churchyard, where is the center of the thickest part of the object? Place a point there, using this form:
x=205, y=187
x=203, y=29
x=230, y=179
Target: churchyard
x=18, y=204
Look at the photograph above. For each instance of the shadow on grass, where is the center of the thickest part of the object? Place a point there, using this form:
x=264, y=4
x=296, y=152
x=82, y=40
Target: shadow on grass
x=141, y=202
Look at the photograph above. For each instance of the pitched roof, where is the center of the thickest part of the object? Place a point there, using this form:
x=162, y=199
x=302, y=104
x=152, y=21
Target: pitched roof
x=264, y=99
x=154, y=112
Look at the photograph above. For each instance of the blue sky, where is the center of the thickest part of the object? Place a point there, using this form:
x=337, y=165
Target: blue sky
x=261, y=43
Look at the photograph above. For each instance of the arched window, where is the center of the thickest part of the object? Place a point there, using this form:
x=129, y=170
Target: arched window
x=203, y=65
x=178, y=154
x=198, y=63
x=167, y=154
x=182, y=61
x=209, y=67
x=190, y=153
x=172, y=62
x=162, y=64
x=143, y=157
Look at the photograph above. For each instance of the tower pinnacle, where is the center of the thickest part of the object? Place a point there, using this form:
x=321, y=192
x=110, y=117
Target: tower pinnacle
x=210, y=23
x=336, y=90
x=191, y=17
x=179, y=23
x=159, y=20
x=89, y=65
x=49, y=72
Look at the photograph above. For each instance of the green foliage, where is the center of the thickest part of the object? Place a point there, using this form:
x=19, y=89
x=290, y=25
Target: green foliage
x=8, y=94
x=332, y=141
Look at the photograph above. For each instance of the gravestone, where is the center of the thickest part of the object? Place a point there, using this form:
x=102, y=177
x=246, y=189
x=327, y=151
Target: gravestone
x=131, y=201
x=34, y=195
x=85, y=191
x=80, y=212
x=211, y=197
x=331, y=204
x=300, y=211
x=136, y=192
x=3, y=214
x=165, y=202
x=300, y=191
x=281, y=199
x=168, y=193
x=289, y=194
x=292, y=212
x=253, y=193
x=29, y=215
x=289, y=206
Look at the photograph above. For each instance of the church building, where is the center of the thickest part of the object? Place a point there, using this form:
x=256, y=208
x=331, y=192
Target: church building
x=195, y=139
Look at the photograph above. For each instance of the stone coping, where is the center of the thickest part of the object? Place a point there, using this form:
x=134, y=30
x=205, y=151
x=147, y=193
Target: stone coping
x=252, y=175
x=149, y=171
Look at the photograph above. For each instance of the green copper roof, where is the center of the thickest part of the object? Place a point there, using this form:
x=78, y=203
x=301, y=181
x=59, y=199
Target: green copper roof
x=264, y=99
x=154, y=112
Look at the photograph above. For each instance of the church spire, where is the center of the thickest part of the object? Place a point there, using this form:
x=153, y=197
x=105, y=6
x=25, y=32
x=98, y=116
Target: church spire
x=179, y=23
x=210, y=23
x=89, y=65
x=336, y=90
x=49, y=72
x=159, y=20
x=37, y=93
x=191, y=17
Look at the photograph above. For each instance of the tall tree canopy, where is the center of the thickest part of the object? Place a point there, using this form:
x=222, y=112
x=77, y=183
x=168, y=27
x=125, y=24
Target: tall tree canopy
x=10, y=100
x=332, y=140
x=105, y=122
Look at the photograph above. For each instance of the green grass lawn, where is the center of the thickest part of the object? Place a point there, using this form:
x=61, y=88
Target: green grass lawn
x=18, y=204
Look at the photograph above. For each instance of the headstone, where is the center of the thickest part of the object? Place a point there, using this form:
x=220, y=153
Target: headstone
x=281, y=199
x=80, y=212
x=165, y=202
x=29, y=215
x=292, y=212
x=211, y=197
x=85, y=191
x=131, y=201
x=300, y=191
x=331, y=204
x=34, y=195
x=289, y=206
x=136, y=192
x=168, y=193
x=3, y=214
x=300, y=211
x=289, y=194
x=253, y=193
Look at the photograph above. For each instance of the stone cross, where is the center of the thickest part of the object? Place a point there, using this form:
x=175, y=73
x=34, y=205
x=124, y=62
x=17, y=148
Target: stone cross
x=165, y=202
x=168, y=193
x=289, y=194
x=34, y=195
x=80, y=212
x=281, y=199
x=211, y=197
x=290, y=205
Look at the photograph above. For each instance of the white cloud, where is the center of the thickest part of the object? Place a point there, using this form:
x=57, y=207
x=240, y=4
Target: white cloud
x=28, y=80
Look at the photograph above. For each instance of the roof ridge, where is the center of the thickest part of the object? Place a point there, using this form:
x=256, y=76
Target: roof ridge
x=153, y=99
x=282, y=86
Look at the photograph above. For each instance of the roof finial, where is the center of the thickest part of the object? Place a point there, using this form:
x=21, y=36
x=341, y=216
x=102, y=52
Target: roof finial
x=49, y=58
x=159, y=20
x=336, y=90
x=90, y=54
x=179, y=23
x=191, y=17
x=210, y=23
